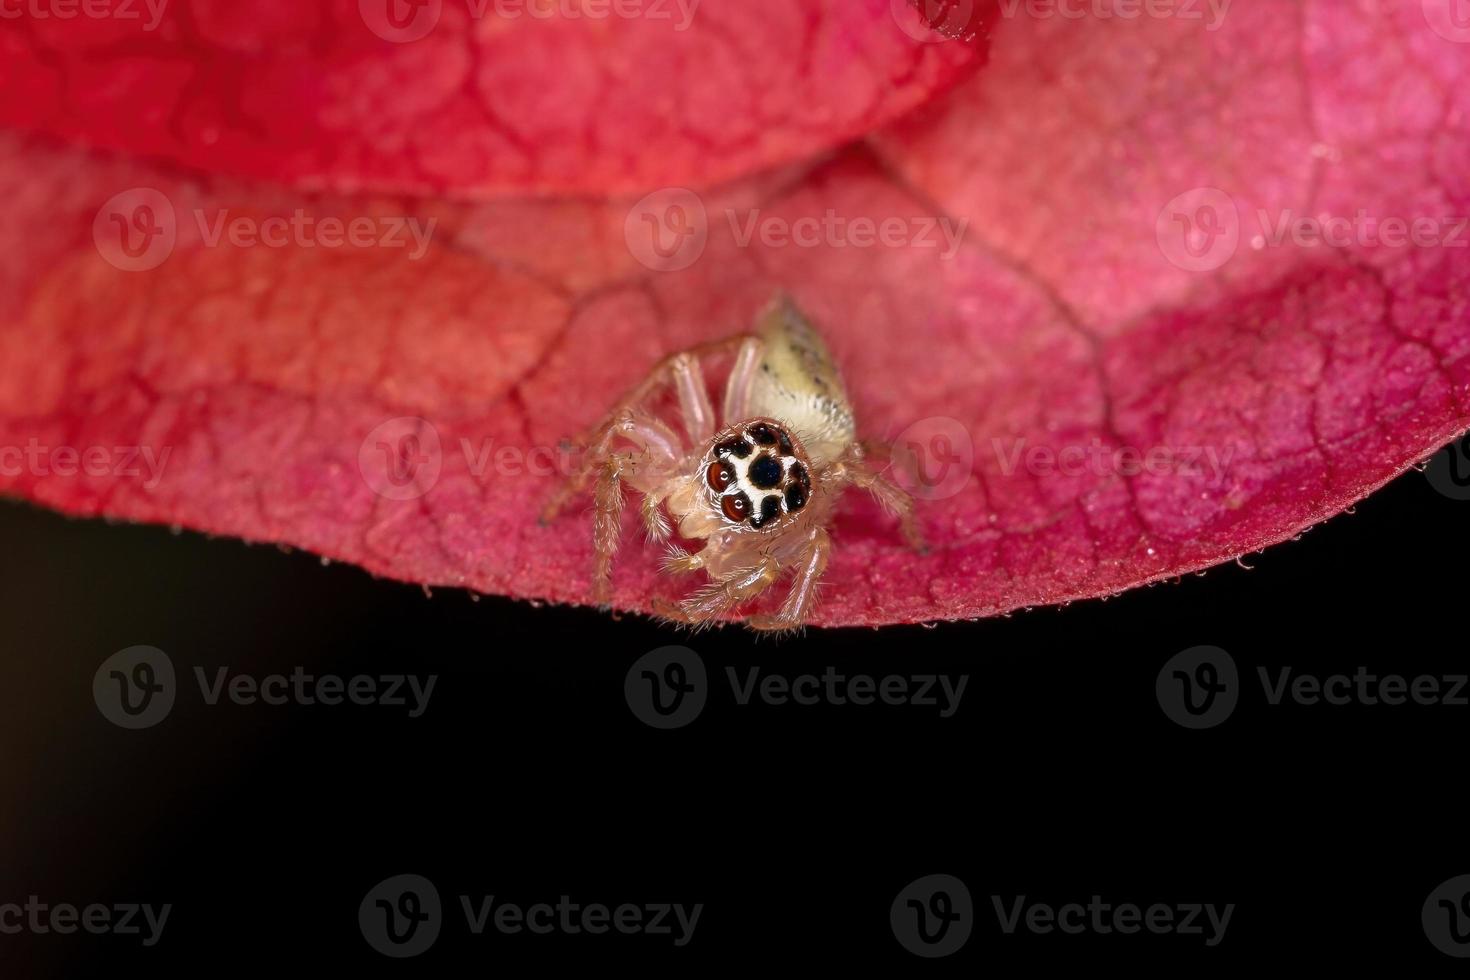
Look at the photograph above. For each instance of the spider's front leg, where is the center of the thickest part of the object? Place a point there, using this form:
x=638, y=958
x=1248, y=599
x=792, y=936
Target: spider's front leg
x=656, y=450
x=682, y=371
x=811, y=563
x=863, y=468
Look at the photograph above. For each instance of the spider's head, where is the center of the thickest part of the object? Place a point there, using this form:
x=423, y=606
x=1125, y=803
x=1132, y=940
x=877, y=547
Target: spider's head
x=757, y=473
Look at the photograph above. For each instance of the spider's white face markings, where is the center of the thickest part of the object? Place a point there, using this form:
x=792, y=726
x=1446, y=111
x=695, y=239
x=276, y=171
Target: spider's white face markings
x=758, y=474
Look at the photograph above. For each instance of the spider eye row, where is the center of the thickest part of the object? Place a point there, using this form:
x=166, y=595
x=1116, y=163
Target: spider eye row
x=768, y=471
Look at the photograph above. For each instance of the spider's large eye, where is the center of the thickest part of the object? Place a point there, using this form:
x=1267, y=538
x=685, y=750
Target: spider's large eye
x=719, y=475
x=735, y=507
x=765, y=472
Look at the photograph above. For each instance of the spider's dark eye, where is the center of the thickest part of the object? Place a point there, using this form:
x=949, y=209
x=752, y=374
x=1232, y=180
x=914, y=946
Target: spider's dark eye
x=800, y=475
x=719, y=475
x=784, y=442
x=765, y=472
x=735, y=507
x=770, y=509
x=733, y=447
x=762, y=433
x=795, y=497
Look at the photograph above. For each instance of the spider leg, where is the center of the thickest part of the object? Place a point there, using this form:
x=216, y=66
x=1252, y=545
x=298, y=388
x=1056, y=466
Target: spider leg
x=694, y=405
x=655, y=450
x=742, y=375
x=720, y=597
x=680, y=369
x=656, y=440
x=865, y=473
x=812, y=561
x=607, y=524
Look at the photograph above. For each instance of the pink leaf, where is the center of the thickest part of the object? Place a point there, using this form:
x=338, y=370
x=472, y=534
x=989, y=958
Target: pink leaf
x=1138, y=356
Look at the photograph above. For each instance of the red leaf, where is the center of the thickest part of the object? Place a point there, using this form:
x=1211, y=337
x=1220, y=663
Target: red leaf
x=1072, y=315
x=475, y=97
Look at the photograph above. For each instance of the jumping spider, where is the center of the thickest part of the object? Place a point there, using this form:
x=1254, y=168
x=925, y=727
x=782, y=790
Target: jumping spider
x=758, y=486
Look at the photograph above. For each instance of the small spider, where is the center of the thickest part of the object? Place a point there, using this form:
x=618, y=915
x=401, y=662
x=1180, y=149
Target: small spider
x=759, y=485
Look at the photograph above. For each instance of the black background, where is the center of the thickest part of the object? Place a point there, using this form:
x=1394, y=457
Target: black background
x=528, y=777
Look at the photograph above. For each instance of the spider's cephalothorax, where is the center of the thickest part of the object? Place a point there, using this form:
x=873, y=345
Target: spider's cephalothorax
x=758, y=485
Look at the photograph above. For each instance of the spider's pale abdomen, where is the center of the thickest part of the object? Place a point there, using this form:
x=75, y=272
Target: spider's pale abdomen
x=798, y=382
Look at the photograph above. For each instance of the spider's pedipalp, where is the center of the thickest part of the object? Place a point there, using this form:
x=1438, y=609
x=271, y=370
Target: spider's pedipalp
x=720, y=597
